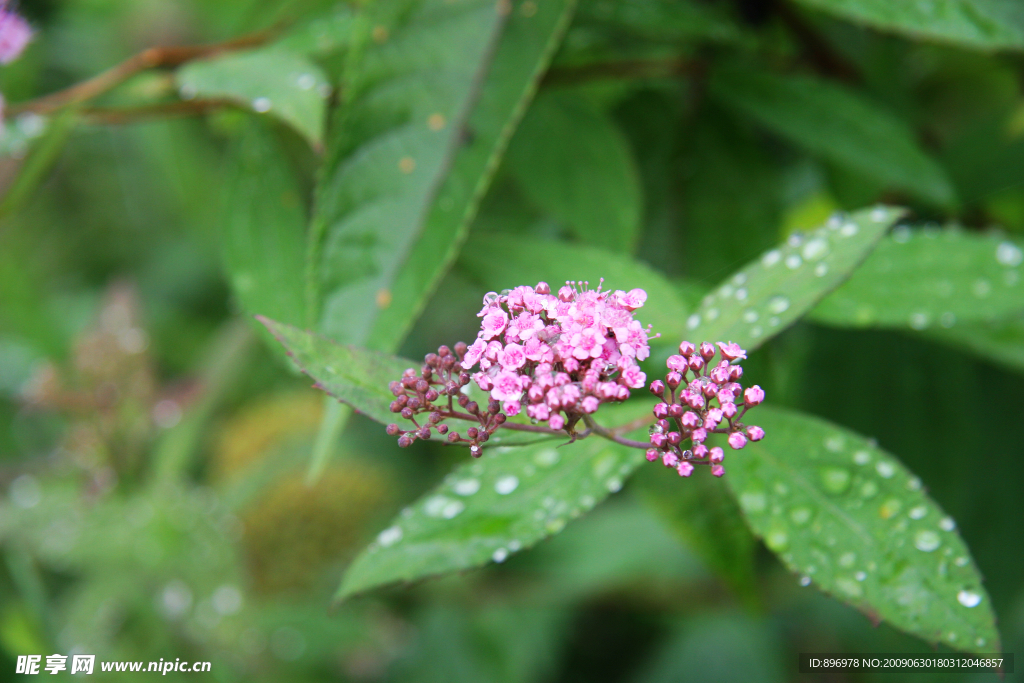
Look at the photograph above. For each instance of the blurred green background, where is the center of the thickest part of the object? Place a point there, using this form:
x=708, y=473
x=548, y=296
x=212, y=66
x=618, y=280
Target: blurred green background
x=123, y=353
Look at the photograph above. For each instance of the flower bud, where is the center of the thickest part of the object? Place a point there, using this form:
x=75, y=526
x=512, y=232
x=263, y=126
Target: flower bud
x=414, y=403
x=675, y=438
x=396, y=388
x=404, y=441
x=684, y=469
x=442, y=429
x=424, y=432
x=556, y=421
x=500, y=418
x=463, y=378
x=590, y=404
x=443, y=351
x=675, y=410
x=472, y=408
x=431, y=395
x=660, y=410
x=451, y=388
x=476, y=451
x=431, y=359
x=696, y=363
x=687, y=348
x=755, y=433
x=658, y=388
x=392, y=429
x=729, y=410
x=542, y=288
x=421, y=386
x=673, y=379
x=493, y=407
x=737, y=440
x=677, y=363
x=670, y=459
x=658, y=440
x=717, y=470
x=652, y=454
x=407, y=413
x=472, y=432
x=395, y=407
x=700, y=435
x=735, y=372
x=663, y=425
x=453, y=437
x=707, y=350
x=463, y=400
x=717, y=454
x=691, y=420
x=460, y=349
x=753, y=396
x=484, y=436
x=710, y=389
x=700, y=450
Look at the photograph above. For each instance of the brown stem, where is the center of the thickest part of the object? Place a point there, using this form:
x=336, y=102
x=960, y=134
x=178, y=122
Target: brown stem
x=150, y=58
x=612, y=436
x=120, y=115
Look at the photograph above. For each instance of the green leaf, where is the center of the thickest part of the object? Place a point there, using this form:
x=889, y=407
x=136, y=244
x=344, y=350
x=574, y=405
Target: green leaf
x=411, y=81
x=669, y=21
x=839, y=125
x=503, y=261
x=930, y=278
x=271, y=80
x=488, y=509
x=573, y=163
x=43, y=139
x=523, y=54
x=772, y=292
x=980, y=24
x=999, y=342
x=263, y=227
x=849, y=516
x=323, y=34
x=708, y=522
x=358, y=377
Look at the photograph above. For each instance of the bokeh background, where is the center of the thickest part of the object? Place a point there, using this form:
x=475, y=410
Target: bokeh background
x=122, y=352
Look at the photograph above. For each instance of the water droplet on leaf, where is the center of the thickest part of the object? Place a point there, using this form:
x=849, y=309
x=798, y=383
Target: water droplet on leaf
x=926, y=541
x=506, y=485
x=968, y=598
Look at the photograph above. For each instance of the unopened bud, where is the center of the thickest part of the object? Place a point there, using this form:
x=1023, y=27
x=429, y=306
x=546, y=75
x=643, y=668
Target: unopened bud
x=687, y=348
x=453, y=437
x=684, y=469
x=493, y=407
x=460, y=349
x=472, y=408
x=675, y=410
x=431, y=395
x=404, y=441
x=424, y=432
x=652, y=454
x=395, y=407
x=707, y=350
x=392, y=429
x=717, y=455
x=463, y=378
x=407, y=413
x=658, y=388
x=661, y=410
x=696, y=363
x=500, y=418
x=675, y=438
x=463, y=400
x=755, y=433
x=472, y=432
x=396, y=388
x=673, y=379
x=431, y=359
x=753, y=396
x=414, y=403
x=442, y=429
x=443, y=351
x=435, y=417
x=658, y=440
x=542, y=288
x=717, y=470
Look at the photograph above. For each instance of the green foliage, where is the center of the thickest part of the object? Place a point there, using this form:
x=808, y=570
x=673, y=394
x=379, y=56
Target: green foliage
x=979, y=24
x=768, y=295
x=848, y=516
x=839, y=125
x=271, y=80
x=489, y=509
x=573, y=163
x=930, y=278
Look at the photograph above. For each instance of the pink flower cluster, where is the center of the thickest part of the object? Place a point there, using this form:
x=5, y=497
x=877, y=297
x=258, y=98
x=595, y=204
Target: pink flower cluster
x=705, y=404
x=15, y=34
x=561, y=354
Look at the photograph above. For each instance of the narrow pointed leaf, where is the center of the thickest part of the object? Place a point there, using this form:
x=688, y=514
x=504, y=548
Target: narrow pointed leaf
x=502, y=261
x=772, y=292
x=839, y=510
x=410, y=86
x=273, y=81
x=491, y=508
x=527, y=44
x=979, y=24
x=839, y=125
x=930, y=279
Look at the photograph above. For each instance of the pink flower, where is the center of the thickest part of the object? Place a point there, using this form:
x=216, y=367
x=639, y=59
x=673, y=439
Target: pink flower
x=670, y=459
x=634, y=342
x=538, y=351
x=556, y=421
x=717, y=470
x=507, y=387
x=717, y=454
x=737, y=440
x=684, y=469
x=510, y=408
x=524, y=326
x=633, y=378
x=590, y=404
x=753, y=396
x=512, y=357
x=732, y=350
x=15, y=34
x=677, y=363
x=725, y=397
x=755, y=433
x=587, y=344
x=494, y=323
x=713, y=418
x=539, y=411
x=483, y=381
x=474, y=353
x=632, y=300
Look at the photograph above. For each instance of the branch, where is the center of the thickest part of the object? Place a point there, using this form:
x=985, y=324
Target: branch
x=120, y=115
x=612, y=436
x=151, y=58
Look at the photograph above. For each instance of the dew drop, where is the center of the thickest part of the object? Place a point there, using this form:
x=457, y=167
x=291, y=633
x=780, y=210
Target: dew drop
x=435, y=505
x=869, y=489
x=889, y=508
x=878, y=215
x=805, y=581
x=739, y=279
x=506, y=485
x=847, y=559
x=514, y=546
x=862, y=457
x=466, y=487
x=800, y=515
x=261, y=104
x=777, y=540
x=860, y=576
x=771, y=258
x=918, y=320
x=961, y=561
x=795, y=240
x=499, y=555
x=821, y=270
x=981, y=288
x=773, y=321
x=850, y=588
x=756, y=331
x=693, y=321
x=546, y=458
x=914, y=484
x=741, y=294
x=901, y=234
x=306, y=81
x=918, y=512
x=835, y=480
x=614, y=484
x=1009, y=254
x=587, y=501
x=555, y=525
x=849, y=230
x=980, y=642
x=390, y=536
x=968, y=598
x=778, y=304
x=753, y=501
x=835, y=443
x=835, y=220
x=793, y=261
x=188, y=91
x=814, y=249
x=947, y=524
x=453, y=509
x=712, y=313
x=926, y=541
x=750, y=316
x=885, y=469
x=726, y=291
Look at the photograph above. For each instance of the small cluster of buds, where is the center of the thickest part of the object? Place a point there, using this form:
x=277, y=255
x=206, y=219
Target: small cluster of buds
x=567, y=353
x=688, y=411
x=441, y=380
